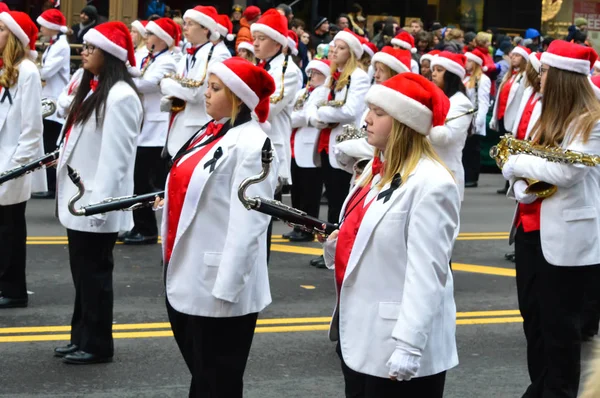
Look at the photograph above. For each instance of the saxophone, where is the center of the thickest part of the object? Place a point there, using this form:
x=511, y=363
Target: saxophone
x=509, y=145
x=350, y=132
x=275, y=100
x=178, y=104
x=149, y=61
x=48, y=107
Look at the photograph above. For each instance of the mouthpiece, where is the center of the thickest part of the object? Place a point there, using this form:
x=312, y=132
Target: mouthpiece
x=73, y=175
x=267, y=152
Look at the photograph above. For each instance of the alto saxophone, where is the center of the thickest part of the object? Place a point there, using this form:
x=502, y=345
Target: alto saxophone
x=509, y=145
x=275, y=100
x=48, y=107
x=178, y=104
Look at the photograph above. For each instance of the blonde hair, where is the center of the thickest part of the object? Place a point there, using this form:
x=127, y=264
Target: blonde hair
x=475, y=75
x=455, y=34
x=509, y=74
x=235, y=104
x=403, y=151
x=483, y=39
x=247, y=54
x=350, y=67
x=533, y=78
x=13, y=54
x=141, y=41
x=569, y=104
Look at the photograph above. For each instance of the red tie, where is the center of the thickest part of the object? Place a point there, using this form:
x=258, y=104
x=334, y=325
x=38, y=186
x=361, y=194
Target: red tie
x=377, y=166
x=191, y=51
x=336, y=76
x=262, y=64
x=211, y=130
x=93, y=84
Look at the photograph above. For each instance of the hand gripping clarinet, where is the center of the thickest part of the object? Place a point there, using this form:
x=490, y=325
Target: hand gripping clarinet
x=290, y=215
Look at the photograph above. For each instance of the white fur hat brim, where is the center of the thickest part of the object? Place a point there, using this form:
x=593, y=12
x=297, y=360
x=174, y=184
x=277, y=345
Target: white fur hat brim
x=535, y=62
x=565, y=63
x=597, y=65
x=319, y=67
x=474, y=58
x=353, y=42
x=139, y=27
x=595, y=88
x=97, y=39
x=449, y=65
x=235, y=84
x=52, y=26
x=270, y=32
x=403, y=44
x=390, y=61
x=160, y=33
x=14, y=27
x=205, y=21
x=521, y=52
x=246, y=46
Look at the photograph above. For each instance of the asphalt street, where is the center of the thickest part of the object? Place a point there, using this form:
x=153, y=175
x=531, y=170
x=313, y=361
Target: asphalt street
x=291, y=355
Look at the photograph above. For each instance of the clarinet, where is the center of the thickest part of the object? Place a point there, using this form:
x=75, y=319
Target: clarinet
x=274, y=208
x=124, y=203
x=46, y=161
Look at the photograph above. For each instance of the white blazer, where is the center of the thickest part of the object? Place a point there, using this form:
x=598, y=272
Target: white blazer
x=55, y=70
x=104, y=156
x=398, y=284
x=306, y=137
x=220, y=52
x=21, y=134
x=512, y=106
x=218, y=266
x=156, y=123
x=140, y=54
x=449, y=140
x=280, y=114
x=67, y=95
x=480, y=99
x=350, y=113
x=569, y=220
x=414, y=66
x=535, y=115
x=194, y=116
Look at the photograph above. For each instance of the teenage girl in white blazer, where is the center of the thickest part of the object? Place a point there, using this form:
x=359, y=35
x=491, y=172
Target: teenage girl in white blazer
x=20, y=143
x=557, y=239
x=395, y=314
x=530, y=107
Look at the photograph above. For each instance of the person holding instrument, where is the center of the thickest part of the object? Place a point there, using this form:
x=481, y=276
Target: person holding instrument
x=20, y=143
x=395, y=313
x=99, y=140
x=213, y=248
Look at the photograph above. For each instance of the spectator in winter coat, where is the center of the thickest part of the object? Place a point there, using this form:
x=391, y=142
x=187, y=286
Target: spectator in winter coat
x=155, y=7
x=250, y=15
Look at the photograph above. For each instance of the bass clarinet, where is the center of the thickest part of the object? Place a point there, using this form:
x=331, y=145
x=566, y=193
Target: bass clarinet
x=274, y=208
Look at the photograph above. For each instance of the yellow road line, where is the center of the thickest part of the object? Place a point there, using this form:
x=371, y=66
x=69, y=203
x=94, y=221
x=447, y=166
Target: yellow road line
x=474, y=314
x=481, y=269
x=488, y=321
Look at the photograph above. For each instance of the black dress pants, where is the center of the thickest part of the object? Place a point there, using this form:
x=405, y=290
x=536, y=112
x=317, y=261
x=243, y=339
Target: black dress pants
x=51, y=132
x=551, y=302
x=91, y=258
x=149, y=175
x=307, y=188
x=215, y=351
x=471, y=158
x=13, y=247
x=591, y=307
x=337, y=185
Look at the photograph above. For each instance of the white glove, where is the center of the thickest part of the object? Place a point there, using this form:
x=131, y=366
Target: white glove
x=519, y=188
x=494, y=124
x=165, y=104
x=97, y=220
x=403, y=364
x=508, y=170
x=329, y=250
x=316, y=123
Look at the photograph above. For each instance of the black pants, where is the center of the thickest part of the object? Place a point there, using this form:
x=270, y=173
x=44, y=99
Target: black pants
x=551, y=303
x=91, y=258
x=337, y=185
x=359, y=385
x=215, y=350
x=13, y=247
x=591, y=307
x=51, y=132
x=150, y=175
x=471, y=158
x=306, y=189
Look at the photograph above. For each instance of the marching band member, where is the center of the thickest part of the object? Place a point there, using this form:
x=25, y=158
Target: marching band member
x=449, y=141
x=426, y=63
x=530, y=107
x=100, y=139
x=150, y=168
x=395, y=313
x=365, y=63
x=308, y=181
x=54, y=71
x=67, y=96
x=139, y=37
x=557, y=239
x=225, y=28
x=478, y=87
x=20, y=143
x=200, y=28
x=245, y=50
x=406, y=41
x=213, y=300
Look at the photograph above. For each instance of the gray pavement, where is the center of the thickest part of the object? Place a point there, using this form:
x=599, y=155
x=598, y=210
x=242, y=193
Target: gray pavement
x=282, y=364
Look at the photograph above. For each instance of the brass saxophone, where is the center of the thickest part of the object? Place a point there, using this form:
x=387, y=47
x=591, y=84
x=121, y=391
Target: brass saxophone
x=48, y=107
x=150, y=60
x=338, y=103
x=509, y=145
x=178, y=104
x=275, y=100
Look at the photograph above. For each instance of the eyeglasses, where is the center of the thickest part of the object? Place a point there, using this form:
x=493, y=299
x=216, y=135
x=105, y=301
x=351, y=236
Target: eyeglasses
x=89, y=48
x=543, y=70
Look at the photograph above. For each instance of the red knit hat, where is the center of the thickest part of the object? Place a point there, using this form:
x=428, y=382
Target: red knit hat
x=405, y=40
x=53, y=19
x=4, y=7
x=453, y=63
x=251, y=13
x=369, y=48
x=293, y=42
x=114, y=38
x=140, y=26
x=206, y=16
x=522, y=51
x=246, y=45
x=412, y=100
x=251, y=84
x=396, y=59
x=429, y=56
x=570, y=56
x=353, y=40
x=535, y=60
x=478, y=57
x=165, y=29
x=274, y=25
x=320, y=65
x=225, y=27
x=21, y=25
x=595, y=81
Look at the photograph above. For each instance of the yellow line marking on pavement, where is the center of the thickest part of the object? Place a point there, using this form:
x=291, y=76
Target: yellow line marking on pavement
x=474, y=314
x=483, y=269
x=484, y=238
x=308, y=287
x=316, y=251
x=488, y=321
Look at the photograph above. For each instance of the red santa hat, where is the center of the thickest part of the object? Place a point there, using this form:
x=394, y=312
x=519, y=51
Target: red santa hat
x=140, y=26
x=522, y=51
x=293, y=42
x=405, y=40
x=53, y=19
x=570, y=57
x=165, y=29
x=4, y=7
x=412, y=100
x=319, y=65
x=21, y=25
x=206, y=16
x=353, y=40
x=429, y=56
x=453, y=63
x=274, y=25
x=595, y=82
x=396, y=59
x=113, y=38
x=478, y=57
x=246, y=45
x=370, y=48
x=225, y=27
x=251, y=84
x=536, y=61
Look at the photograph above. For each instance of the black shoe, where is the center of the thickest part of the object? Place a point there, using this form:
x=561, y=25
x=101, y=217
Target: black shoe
x=139, y=239
x=122, y=235
x=85, y=358
x=7, y=302
x=316, y=260
x=64, y=350
x=504, y=190
x=288, y=234
x=321, y=264
x=301, y=236
x=472, y=184
x=510, y=256
x=44, y=195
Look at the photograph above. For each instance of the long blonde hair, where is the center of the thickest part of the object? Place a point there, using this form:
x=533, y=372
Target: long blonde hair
x=509, y=74
x=236, y=104
x=475, y=75
x=568, y=104
x=403, y=151
x=13, y=54
x=350, y=67
x=533, y=78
